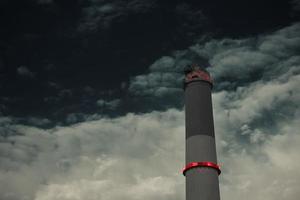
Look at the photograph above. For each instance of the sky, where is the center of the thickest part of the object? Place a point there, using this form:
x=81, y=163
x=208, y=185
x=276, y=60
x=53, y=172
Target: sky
x=91, y=101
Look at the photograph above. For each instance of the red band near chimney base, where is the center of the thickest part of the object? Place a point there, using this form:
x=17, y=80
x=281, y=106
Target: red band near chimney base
x=201, y=164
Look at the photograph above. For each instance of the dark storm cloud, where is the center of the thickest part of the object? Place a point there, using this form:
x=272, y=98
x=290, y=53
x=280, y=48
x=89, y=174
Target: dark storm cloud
x=71, y=45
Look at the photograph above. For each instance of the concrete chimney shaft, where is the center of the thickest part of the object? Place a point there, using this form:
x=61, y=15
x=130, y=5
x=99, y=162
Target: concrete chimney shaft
x=201, y=169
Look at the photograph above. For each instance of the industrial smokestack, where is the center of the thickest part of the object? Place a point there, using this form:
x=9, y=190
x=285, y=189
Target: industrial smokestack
x=201, y=169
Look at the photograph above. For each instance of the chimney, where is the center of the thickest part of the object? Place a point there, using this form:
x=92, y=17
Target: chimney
x=201, y=169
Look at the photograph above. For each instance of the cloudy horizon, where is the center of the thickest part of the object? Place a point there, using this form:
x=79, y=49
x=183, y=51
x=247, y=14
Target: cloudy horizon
x=92, y=100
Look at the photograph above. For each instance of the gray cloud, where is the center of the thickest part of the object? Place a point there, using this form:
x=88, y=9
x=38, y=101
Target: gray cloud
x=255, y=110
x=140, y=156
x=111, y=105
x=38, y=122
x=82, y=117
x=234, y=62
x=24, y=71
x=100, y=14
x=267, y=174
x=57, y=162
x=72, y=118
